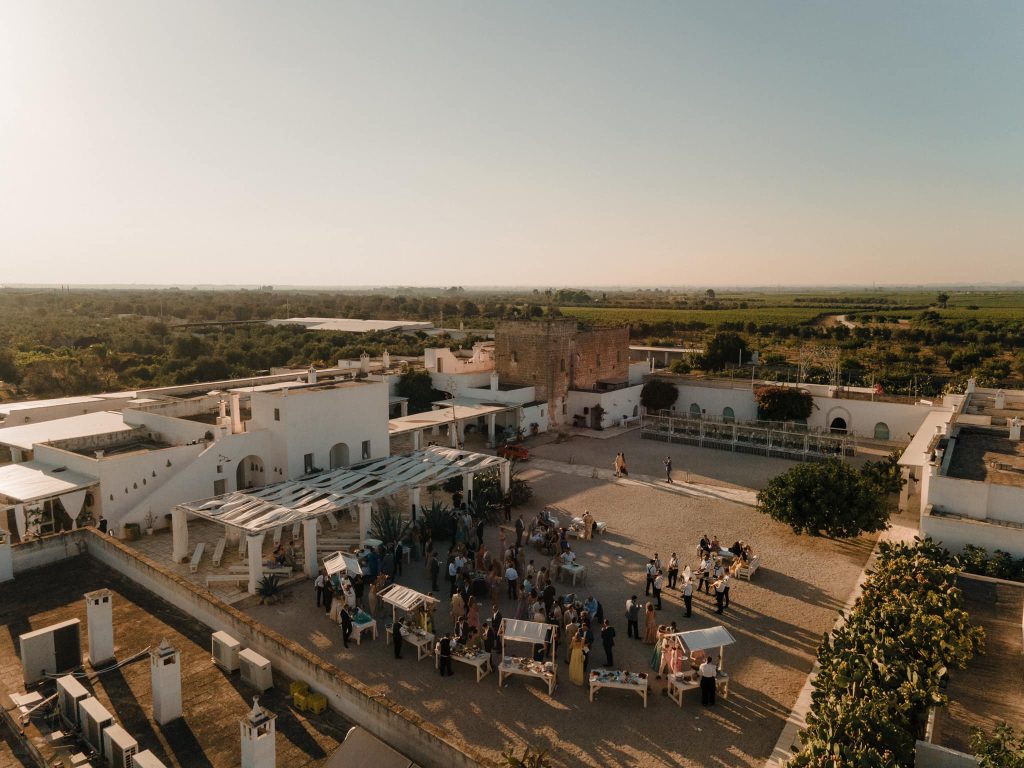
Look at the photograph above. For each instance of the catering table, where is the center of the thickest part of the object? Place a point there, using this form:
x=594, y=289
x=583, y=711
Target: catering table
x=423, y=641
x=617, y=678
x=374, y=543
x=358, y=627
x=576, y=529
x=685, y=681
x=479, y=660
x=575, y=570
x=515, y=665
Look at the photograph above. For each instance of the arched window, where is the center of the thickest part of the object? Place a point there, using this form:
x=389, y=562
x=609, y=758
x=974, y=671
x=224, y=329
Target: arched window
x=694, y=411
x=838, y=425
x=728, y=415
x=881, y=431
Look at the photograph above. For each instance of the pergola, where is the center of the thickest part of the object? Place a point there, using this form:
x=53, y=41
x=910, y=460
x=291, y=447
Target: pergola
x=405, y=599
x=705, y=639
x=454, y=415
x=255, y=511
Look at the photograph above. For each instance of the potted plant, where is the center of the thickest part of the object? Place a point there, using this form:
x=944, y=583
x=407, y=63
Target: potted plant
x=149, y=523
x=269, y=589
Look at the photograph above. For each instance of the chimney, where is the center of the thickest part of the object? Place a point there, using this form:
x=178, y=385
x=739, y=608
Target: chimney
x=494, y=382
x=99, y=454
x=165, y=672
x=6, y=560
x=386, y=359
x=236, y=414
x=223, y=406
x=1015, y=434
x=258, y=749
x=99, y=611
x=1000, y=400
x=364, y=363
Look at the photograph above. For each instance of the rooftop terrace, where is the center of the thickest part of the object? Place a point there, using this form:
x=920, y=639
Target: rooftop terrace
x=985, y=455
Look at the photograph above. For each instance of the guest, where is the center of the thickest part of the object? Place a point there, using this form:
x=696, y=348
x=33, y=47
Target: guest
x=708, y=673
x=632, y=618
x=473, y=614
x=673, y=571
x=512, y=577
x=398, y=635
x=358, y=587
x=346, y=625
x=588, y=525
x=608, y=641
x=577, y=648
x=652, y=571
x=650, y=625
x=719, y=596
x=435, y=570
x=318, y=587
x=688, y=597
x=659, y=582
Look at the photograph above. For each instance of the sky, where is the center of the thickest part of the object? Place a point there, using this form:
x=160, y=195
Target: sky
x=518, y=143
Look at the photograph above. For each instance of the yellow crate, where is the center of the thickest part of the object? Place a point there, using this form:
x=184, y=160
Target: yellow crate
x=316, y=703
x=301, y=700
x=299, y=687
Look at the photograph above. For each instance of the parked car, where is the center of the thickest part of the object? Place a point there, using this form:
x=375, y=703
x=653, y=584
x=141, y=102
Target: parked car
x=514, y=452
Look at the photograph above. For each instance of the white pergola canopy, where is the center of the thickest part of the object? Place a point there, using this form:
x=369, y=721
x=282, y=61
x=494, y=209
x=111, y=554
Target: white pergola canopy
x=703, y=639
x=525, y=631
x=339, y=562
x=262, y=509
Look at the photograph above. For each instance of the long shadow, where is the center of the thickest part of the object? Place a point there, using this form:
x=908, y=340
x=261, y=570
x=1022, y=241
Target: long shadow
x=187, y=748
x=127, y=709
x=778, y=582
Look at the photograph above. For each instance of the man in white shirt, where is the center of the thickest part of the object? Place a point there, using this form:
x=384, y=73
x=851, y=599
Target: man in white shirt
x=512, y=577
x=725, y=589
x=659, y=582
x=708, y=673
x=319, y=587
x=652, y=571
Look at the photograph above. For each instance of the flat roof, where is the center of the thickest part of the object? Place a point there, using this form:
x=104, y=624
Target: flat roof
x=441, y=416
x=303, y=385
x=916, y=454
x=33, y=480
x=25, y=405
x=352, y=325
x=24, y=436
x=979, y=454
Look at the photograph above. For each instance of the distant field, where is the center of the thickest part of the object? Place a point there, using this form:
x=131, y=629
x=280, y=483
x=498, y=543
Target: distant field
x=713, y=317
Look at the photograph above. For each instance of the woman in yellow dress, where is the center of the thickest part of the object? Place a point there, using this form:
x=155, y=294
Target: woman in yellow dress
x=650, y=625
x=578, y=643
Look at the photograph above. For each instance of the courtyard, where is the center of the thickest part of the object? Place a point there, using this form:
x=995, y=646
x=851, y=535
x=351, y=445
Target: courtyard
x=778, y=618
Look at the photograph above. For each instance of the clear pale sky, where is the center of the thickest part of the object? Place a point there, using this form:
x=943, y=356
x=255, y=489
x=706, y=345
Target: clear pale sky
x=525, y=143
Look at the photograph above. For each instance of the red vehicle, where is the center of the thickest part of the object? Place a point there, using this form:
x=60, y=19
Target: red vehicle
x=514, y=452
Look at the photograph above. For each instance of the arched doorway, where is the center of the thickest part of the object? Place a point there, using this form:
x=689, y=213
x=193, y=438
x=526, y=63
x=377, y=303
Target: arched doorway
x=339, y=456
x=881, y=431
x=694, y=411
x=250, y=473
x=728, y=415
x=838, y=425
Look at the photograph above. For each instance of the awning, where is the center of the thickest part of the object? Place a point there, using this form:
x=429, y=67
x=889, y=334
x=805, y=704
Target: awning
x=404, y=598
x=33, y=480
x=702, y=639
x=527, y=631
x=339, y=562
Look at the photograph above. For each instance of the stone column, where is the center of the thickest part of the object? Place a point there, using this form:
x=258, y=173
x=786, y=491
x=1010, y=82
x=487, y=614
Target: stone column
x=6, y=559
x=453, y=435
x=414, y=500
x=417, y=440
x=254, y=543
x=506, y=477
x=404, y=406
x=467, y=486
x=364, y=521
x=179, y=535
x=309, y=546
x=492, y=419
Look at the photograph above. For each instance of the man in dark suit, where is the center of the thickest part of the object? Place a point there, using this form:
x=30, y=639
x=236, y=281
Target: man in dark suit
x=346, y=625
x=519, y=530
x=608, y=641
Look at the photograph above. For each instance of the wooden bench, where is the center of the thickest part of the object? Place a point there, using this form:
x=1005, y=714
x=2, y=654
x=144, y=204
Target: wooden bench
x=196, y=557
x=218, y=552
x=746, y=570
x=226, y=578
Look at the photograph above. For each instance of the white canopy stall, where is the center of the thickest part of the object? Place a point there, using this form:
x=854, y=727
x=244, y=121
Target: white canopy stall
x=534, y=633
x=405, y=599
x=705, y=639
x=343, y=563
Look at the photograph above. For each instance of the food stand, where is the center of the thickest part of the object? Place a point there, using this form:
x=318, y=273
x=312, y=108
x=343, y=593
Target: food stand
x=408, y=600
x=535, y=633
x=695, y=643
x=621, y=679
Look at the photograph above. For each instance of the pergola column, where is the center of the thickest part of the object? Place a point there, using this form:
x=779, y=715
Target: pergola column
x=417, y=439
x=254, y=543
x=364, y=521
x=453, y=435
x=467, y=486
x=506, y=477
x=179, y=535
x=309, y=546
x=414, y=500
x=404, y=407
x=492, y=419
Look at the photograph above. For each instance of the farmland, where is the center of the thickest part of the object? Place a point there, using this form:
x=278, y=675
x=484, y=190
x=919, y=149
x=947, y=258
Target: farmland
x=712, y=318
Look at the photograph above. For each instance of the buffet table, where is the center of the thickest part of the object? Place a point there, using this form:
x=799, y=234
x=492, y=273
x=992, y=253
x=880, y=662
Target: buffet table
x=515, y=665
x=575, y=570
x=422, y=641
x=615, y=678
x=358, y=627
x=685, y=681
x=479, y=660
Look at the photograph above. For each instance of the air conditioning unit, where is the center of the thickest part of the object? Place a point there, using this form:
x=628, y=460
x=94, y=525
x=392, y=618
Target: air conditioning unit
x=255, y=670
x=70, y=693
x=94, y=719
x=119, y=747
x=224, y=651
x=147, y=759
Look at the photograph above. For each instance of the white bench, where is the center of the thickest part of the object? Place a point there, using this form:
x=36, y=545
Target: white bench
x=226, y=578
x=279, y=570
x=746, y=570
x=218, y=552
x=196, y=557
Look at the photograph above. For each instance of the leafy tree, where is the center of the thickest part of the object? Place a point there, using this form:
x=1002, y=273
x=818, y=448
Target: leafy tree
x=885, y=474
x=783, y=403
x=829, y=497
x=680, y=366
x=658, y=395
x=942, y=299
x=1004, y=748
x=723, y=351
x=418, y=387
x=709, y=293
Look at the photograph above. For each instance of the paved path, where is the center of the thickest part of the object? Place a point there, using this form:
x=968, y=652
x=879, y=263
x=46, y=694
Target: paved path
x=696, y=490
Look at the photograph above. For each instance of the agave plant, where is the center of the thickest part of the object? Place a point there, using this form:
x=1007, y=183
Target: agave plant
x=529, y=759
x=269, y=588
x=388, y=525
x=439, y=517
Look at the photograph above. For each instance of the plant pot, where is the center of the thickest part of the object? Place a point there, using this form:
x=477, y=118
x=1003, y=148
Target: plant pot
x=149, y=531
x=132, y=531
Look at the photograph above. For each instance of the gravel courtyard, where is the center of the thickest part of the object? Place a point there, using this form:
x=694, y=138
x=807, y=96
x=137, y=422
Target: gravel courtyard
x=778, y=619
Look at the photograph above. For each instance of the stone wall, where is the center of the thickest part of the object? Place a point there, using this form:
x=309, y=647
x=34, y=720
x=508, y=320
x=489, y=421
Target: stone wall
x=602, y=353
x=535, y=354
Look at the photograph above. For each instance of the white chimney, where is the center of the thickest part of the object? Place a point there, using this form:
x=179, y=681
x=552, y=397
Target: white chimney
x=311, y=375
x=165, y=672
x=236, y=413
x=1015, y=434
x=1000, y=399
x=938, y=429
x=6, y=560
x=99, y=454
x=258, y=748
x=494, y=382
x=386, y=359
x=223, y=408
x=972, y=384
x=99, y=611
x=364, y=363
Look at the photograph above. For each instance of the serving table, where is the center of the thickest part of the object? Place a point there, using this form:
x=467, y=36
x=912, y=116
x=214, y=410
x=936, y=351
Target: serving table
x=421, y=640
x=575, y=570
x=479, y=660
x=616, y=678
x=358, y=627
x=516, y=665
x=685, y=681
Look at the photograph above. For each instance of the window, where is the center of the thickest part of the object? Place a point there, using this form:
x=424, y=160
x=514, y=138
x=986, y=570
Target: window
x=728, y=415
x=219, y=487
x=561, y=365
x=366, y=449
x=515, y=357
x=881, y=431
x=694, y=411
x=220, y=469
x=277, y=414
x=307, y=463
x=599, y=359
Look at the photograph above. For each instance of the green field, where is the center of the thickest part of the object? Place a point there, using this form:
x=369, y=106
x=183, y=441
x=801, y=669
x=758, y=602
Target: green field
x=712, y=317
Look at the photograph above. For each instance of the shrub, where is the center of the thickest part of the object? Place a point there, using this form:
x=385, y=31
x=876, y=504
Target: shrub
x=658, y=395
x=829, y=497
x=438, y=516
x=885, y=474
x=1003, y=749
x=783, y=403
x=388, y=525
